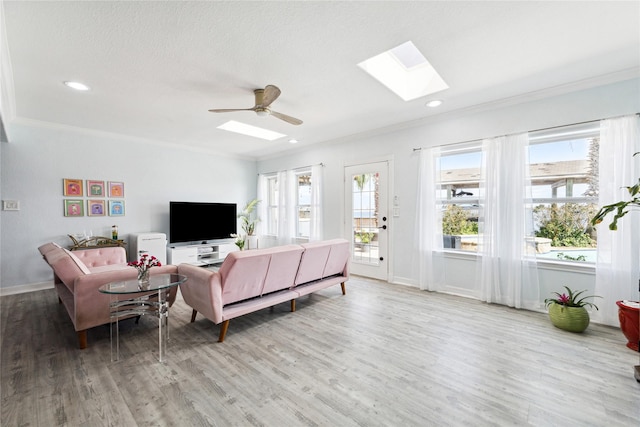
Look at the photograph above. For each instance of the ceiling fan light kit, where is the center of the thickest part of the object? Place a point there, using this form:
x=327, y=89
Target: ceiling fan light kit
x=264, y=98
x=76, y=85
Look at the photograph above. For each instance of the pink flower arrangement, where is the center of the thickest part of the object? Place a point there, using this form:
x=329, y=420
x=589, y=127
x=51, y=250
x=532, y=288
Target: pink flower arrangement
x=145, y=263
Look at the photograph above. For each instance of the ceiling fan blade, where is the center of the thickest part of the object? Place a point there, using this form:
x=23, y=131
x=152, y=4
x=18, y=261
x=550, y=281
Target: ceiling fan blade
x=228, y=110
x=271, y=93
x=286, y=118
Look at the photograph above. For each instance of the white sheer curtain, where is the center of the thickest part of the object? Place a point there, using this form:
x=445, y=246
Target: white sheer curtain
x=261, y=210
x=508, y=274
x=286, y=206
x=315, y=224
x=428, y=222
x=618, y=264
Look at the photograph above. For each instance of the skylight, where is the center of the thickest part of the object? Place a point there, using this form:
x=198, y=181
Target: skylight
x=237, y=127
x=405, y=71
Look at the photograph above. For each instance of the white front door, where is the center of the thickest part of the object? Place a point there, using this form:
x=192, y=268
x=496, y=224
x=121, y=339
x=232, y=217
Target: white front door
x=367, y=218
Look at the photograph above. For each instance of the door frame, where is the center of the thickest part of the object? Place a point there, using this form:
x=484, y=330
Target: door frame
x=390, y=198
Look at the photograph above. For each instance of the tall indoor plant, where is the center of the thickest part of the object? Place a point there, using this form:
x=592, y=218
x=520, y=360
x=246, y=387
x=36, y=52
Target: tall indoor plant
x=619, y=210
x=249, y=223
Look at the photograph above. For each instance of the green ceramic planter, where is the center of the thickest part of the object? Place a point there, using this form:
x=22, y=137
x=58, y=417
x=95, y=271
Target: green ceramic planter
x=572, y=319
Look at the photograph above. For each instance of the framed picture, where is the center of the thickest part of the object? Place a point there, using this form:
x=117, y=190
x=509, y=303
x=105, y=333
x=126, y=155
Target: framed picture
x=73, y=207
x=95, y=208
x=116, y=207
x=116, y=189
x=95, y=188
x=72, y=187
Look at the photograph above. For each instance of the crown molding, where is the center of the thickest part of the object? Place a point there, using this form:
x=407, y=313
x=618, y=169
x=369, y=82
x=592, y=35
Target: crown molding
x=57, y=127
x=602, y=80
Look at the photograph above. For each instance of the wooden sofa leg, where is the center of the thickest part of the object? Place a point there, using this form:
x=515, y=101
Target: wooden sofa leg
x=82, y=339
x=344, y=288
x=293, y=305
x=223, y=330
x=193, y=316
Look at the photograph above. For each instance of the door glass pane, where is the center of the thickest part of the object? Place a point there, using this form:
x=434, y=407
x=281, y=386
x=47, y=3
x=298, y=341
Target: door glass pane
x=365, y=218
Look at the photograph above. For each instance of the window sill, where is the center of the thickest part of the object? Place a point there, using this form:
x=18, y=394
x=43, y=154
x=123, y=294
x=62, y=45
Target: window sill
x=577, y=267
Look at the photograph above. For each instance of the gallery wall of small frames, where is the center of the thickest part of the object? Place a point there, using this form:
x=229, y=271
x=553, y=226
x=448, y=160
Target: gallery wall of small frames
x=93, y=197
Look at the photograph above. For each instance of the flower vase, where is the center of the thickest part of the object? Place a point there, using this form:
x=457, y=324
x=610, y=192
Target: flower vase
x=143, y=279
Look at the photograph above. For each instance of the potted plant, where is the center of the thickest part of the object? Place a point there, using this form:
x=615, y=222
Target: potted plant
x=249, y=224
x=626, y=313
x=568, y=312
x=239, y=241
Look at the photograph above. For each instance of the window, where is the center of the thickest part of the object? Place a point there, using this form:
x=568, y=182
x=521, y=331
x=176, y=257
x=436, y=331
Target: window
x=272, y=205
x=288, y=204
x=458, y=194
x=564, y=187
x=563, y=170
x=303, y=203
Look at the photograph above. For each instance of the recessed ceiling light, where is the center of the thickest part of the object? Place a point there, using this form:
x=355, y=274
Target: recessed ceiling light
x=405, y=71
x=77, y=85
x=244, y=129
x=293, y=141
x=434, y=103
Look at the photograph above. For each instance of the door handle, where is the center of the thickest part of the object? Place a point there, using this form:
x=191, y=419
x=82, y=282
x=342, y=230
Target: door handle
x=384, y=227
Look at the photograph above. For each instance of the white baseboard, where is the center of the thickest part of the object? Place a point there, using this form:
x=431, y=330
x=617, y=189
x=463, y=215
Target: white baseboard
x=21, y=289
x=397, y=280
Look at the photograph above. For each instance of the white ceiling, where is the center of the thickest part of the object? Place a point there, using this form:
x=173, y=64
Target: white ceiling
x=155, y=68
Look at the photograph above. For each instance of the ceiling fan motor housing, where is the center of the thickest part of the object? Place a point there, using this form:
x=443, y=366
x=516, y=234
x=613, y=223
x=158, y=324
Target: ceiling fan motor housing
x=259, y=94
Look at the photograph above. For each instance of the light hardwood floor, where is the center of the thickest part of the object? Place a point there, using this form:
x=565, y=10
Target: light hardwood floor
x=383, y=355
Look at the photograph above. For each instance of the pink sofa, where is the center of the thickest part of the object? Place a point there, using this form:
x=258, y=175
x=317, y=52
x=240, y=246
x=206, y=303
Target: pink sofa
x=251, y=280
x=78, y=275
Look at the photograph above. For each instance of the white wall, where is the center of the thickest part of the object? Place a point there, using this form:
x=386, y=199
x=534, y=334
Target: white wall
x=38, y=158
x=583, y=105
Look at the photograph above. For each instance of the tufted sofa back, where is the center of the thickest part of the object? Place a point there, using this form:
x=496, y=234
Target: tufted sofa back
x=68, y=266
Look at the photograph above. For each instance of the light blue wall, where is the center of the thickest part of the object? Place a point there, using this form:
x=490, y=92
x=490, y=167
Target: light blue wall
x=39, y=157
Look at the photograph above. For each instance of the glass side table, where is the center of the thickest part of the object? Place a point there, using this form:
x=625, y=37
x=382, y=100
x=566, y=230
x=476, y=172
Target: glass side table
x=130, y=298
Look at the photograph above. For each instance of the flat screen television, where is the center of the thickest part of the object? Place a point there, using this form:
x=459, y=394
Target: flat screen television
x=198, y=222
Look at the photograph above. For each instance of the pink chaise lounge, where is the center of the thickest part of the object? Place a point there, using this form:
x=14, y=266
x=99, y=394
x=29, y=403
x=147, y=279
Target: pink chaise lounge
x=251, y=280
x=78, y=275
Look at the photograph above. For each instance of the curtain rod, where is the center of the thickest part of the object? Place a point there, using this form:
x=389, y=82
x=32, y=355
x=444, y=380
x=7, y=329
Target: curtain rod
x=293, y=169
x=542, y=129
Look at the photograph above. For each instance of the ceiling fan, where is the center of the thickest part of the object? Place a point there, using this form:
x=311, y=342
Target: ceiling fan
x=264, y=98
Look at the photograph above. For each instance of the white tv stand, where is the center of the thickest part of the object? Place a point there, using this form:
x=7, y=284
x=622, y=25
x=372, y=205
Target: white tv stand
x=203, y=254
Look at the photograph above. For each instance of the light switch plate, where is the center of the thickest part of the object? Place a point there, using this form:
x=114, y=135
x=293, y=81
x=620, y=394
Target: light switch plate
x=10, y=205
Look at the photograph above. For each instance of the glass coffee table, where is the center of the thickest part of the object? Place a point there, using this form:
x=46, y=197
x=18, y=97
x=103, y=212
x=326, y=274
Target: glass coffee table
x=131, y=298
